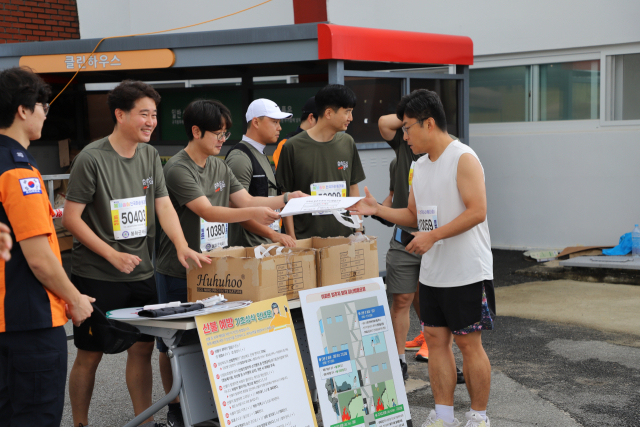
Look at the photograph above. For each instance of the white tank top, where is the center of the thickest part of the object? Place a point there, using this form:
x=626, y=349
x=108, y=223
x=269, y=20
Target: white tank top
x=460, y=260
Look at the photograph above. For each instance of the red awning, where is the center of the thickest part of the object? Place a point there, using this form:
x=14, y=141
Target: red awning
x=369, y=44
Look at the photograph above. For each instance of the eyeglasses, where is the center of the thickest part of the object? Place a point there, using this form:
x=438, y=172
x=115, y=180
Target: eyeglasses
x=405, y=129
x=222, y=136
x=45, y=107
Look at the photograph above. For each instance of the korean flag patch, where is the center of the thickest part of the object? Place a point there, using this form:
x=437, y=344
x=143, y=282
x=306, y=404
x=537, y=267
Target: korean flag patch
x=30, y=186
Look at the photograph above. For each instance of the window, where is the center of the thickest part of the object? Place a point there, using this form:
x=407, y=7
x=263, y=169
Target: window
x=338, y=318
x=321, y=327
x=376, y=97
x=375, y=368
x=328, y=320
x=624, y=87
x=447, y=90
x=384, y=366
x=570, y=91
x=499, y=94
x=344, y=347
x=559, y=91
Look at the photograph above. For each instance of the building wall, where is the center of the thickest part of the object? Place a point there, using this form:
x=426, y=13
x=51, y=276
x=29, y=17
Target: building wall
x=500, y=26
x=23, y=21
x=555, y=188
x=124, y=17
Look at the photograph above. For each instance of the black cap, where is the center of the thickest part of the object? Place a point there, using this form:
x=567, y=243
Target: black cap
x=274, y=305
x=310, y=106
x=111, y=335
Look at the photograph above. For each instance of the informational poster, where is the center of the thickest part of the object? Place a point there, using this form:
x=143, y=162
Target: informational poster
x=255, y=368
x=354, y=356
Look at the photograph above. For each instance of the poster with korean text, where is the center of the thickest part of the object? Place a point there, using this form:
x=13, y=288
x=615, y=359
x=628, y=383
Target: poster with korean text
x=354, y=355
x=254, y=366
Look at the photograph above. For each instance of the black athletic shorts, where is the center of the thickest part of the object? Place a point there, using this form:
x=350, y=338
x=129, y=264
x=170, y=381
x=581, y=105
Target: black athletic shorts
x=111, y=296
x=462, y=309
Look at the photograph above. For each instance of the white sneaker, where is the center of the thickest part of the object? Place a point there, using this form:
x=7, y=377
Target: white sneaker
x=475, y=420
x=433, y=421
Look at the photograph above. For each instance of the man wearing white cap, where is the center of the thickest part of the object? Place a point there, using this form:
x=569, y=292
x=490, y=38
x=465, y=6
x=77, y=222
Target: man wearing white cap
x=256, y=174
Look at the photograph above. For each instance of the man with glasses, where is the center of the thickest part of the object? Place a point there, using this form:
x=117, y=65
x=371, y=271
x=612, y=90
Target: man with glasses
x=201, y=187
x=403, y=268
x=448, y=205
x=256, y=174
x=116, y=189
x=36, y=296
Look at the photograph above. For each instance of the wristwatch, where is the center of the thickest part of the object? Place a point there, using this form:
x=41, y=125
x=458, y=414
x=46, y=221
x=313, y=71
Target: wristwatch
x=286, y=197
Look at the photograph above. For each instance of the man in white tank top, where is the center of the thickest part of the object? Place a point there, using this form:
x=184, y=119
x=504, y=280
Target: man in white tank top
x=448, y=205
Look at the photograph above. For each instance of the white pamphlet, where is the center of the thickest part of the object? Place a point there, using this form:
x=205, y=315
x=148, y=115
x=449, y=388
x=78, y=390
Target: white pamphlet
x=311, y=204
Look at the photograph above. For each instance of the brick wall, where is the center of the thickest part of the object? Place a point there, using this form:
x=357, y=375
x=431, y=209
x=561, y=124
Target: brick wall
x=24, y=20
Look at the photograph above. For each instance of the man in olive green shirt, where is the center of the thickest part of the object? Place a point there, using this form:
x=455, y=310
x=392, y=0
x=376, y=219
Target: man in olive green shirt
x=201, y=187
x=324, y=161
x=254, y=171
x=116, y=188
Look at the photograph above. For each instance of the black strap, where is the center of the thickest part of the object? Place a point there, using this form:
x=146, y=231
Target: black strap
x=257, y=187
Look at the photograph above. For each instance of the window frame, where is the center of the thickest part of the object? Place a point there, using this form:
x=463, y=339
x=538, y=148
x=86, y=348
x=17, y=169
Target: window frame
x=607, y=85
x=533, y=61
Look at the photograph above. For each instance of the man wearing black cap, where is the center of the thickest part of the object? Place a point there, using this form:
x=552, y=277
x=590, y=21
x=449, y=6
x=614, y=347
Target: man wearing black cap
x=308, y=119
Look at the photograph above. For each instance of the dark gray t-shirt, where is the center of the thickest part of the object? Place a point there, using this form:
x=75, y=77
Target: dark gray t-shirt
x=304, y=161
x=118, y=193
x=392, y=174
x=186, y=181
x=240, y=165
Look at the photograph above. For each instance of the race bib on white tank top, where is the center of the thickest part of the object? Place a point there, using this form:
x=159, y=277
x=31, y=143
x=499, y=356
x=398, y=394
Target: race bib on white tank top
x=428, y=219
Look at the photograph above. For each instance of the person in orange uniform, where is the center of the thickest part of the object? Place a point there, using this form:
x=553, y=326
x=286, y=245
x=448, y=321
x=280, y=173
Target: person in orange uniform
x=36, y=297
x=308, y=119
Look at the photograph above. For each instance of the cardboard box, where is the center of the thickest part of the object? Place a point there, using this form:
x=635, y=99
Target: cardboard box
x=239, y=275
x=339, y=261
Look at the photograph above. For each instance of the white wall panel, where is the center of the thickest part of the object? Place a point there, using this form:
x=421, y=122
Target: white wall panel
x=500, y=26
x=122, y=17
x=555, y=189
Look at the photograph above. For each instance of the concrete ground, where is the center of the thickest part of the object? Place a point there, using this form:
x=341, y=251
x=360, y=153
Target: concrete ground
x=563, y=354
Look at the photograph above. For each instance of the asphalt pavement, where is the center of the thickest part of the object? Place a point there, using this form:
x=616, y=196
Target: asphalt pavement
x=544, y=372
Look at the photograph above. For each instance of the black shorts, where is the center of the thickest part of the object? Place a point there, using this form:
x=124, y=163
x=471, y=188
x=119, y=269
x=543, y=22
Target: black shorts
x=111, y=296
x=462, y=309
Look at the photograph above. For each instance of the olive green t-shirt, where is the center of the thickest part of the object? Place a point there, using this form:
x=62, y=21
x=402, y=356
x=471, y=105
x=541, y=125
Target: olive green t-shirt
x=404, y=157
x=101, y=178
x=240, y=165
x=186, y=181
x=304, y=161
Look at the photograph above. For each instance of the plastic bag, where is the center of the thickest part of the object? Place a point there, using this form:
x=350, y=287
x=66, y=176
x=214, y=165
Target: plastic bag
x=623, y=248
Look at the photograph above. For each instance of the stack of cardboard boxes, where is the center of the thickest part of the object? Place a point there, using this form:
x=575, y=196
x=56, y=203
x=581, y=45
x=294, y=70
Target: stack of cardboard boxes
x=242, y=274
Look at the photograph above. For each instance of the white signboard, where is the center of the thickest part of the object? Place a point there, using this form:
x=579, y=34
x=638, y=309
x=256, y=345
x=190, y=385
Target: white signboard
x=354, y=356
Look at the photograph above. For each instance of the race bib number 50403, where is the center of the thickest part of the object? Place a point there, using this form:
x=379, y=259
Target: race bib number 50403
x=129, y=217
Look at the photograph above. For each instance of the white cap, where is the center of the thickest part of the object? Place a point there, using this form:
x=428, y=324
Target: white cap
x=265, y=107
